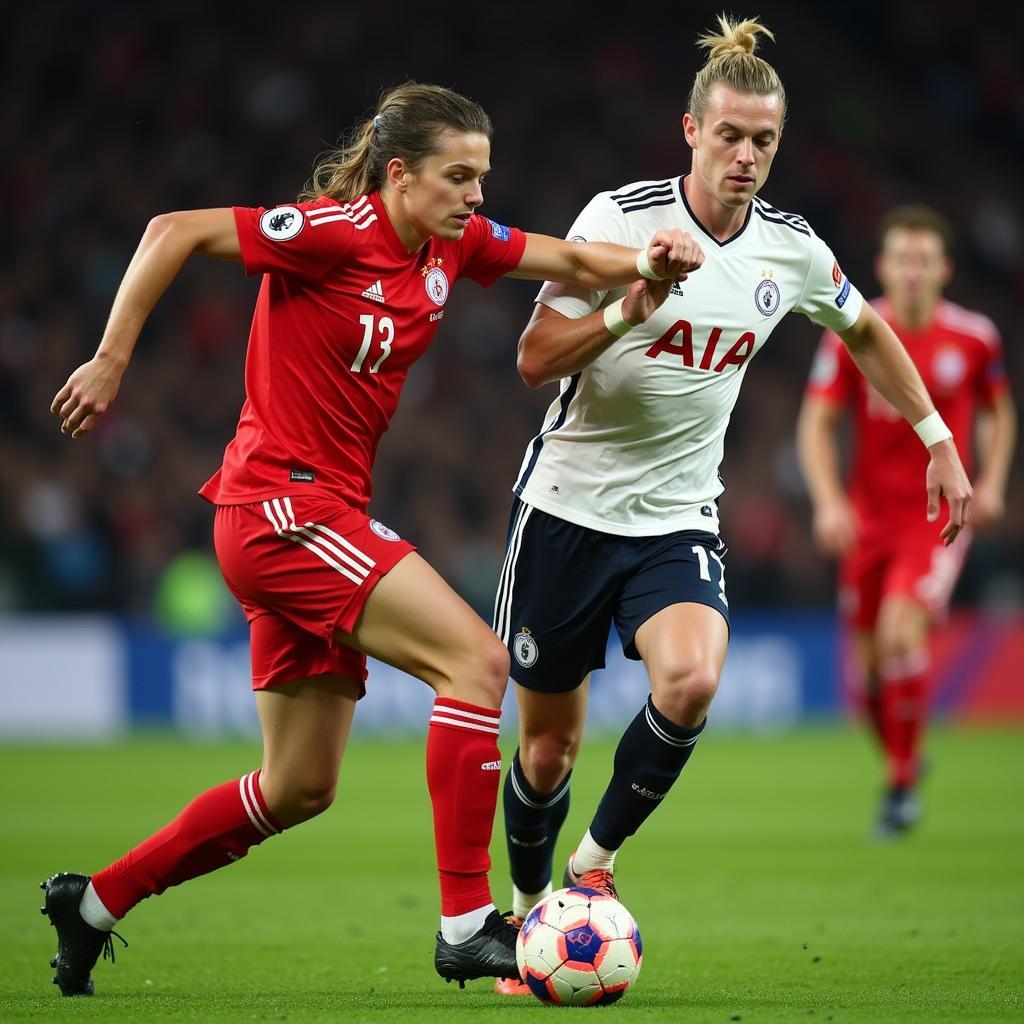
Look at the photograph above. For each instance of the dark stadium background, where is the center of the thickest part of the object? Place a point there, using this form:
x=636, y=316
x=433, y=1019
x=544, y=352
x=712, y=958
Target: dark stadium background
x=114, y=112
x=759, y=893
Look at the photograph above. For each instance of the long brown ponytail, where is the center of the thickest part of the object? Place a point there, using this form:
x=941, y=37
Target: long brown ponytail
x=408, y=124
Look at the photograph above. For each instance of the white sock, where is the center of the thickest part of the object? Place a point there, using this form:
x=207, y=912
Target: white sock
x=464, y=926
x=93, y=912
x=591, y=857
x=524, y=902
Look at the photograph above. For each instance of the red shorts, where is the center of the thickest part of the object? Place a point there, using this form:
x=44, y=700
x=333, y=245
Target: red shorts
x=910, y=563
x=302, y=568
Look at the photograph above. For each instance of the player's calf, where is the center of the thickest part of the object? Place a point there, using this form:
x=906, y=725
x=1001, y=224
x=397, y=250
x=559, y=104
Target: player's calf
x=649, y=758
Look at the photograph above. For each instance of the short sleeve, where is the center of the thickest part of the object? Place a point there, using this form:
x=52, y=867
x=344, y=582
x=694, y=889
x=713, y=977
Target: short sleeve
x=490, y=249
x=833, y=373
x=829, y=297
x=991, y=382
x=600, y=220
x=303, y=240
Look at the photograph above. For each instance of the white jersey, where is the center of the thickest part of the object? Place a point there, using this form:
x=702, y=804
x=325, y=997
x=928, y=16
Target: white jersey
x=633, y=442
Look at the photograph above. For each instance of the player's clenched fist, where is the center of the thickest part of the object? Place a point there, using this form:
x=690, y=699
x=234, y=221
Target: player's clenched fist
x=674, y=254
x=86, y=396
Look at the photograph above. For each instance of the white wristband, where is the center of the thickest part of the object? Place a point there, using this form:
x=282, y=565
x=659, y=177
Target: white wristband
x=932, y=430
x=616, y=323
x=644, y=268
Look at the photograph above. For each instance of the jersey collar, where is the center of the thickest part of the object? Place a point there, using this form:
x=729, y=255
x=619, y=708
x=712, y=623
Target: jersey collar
x=693, y=217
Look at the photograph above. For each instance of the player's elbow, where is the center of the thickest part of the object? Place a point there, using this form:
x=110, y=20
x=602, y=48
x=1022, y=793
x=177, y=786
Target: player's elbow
x=211, y=232
x=160, y=225
x=530, y=377
x=170, y=229
x=530, y=367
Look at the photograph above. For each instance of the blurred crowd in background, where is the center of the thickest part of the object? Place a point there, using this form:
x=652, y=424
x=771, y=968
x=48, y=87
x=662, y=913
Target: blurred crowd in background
x=112, y=113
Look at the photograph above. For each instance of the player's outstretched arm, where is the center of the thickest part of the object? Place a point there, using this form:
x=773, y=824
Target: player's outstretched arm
x=835, y=520
x=168, y=241
x=598, y=266
x=881, y=357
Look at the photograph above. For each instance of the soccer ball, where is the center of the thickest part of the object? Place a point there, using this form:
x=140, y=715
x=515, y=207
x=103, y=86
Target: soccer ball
x=579, y=947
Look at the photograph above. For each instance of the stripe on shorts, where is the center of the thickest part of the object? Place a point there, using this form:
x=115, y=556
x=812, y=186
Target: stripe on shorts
x=282, y=518
x=506, y=583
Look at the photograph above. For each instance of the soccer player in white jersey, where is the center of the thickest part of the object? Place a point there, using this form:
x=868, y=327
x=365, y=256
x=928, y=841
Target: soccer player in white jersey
x=615, y=516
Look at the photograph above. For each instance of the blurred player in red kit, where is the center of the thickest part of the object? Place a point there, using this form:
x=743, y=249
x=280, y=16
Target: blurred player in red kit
x=896, y=575
x=356, y=274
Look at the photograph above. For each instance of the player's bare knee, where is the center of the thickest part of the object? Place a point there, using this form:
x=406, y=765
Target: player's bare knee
x=296, y=802
x=478, y=674
x=684, y=694
x=314, y=802
x=497, y=669
x=901, y=639
x=546, y=759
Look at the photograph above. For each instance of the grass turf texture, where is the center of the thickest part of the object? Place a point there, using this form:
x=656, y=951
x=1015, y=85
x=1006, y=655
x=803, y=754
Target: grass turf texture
x=758, y=894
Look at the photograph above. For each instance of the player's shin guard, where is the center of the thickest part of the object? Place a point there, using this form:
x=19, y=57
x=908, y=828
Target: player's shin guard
x=904, y=707
x=215, y=829
x=532, y=823
x=463, y=771
x=648, y=760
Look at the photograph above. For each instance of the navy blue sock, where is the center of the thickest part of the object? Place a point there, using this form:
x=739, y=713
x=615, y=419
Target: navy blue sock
x=532, y=821
x=648, y=760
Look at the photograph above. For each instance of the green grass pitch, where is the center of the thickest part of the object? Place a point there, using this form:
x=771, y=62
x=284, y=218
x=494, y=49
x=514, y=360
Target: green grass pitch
x=758, y=894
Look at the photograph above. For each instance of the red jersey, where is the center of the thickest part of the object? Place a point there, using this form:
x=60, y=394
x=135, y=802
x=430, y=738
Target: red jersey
x=959, y=357
x=343, y=311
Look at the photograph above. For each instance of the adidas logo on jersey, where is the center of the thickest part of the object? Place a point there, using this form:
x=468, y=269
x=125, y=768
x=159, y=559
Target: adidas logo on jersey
x=374, y=292
x=491, y=766
x=676, y=289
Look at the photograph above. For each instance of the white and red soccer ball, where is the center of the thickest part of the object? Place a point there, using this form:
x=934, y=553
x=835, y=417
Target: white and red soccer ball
x=579, y=947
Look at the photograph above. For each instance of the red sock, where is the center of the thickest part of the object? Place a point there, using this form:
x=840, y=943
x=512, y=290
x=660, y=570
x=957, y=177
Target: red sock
x=904, y=709
x=216, y=828
x=463, y=771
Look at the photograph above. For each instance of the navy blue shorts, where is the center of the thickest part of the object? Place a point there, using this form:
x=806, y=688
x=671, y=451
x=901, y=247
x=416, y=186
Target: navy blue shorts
x=563, y=585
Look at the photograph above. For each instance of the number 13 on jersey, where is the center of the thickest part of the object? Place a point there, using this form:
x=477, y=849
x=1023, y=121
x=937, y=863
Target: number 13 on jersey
x=384, y=328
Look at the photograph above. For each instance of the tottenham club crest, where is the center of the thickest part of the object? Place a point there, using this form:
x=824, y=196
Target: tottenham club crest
x=767, y=295
x=281, y=223
x=524, y=647
x=436, y=283
x=383, y=531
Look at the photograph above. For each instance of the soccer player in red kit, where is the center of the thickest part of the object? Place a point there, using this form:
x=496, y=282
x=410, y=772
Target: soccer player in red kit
x=896, y=575
x=356, y=275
